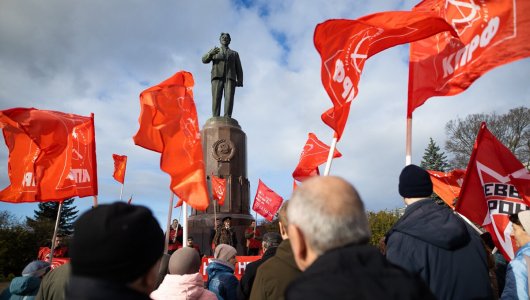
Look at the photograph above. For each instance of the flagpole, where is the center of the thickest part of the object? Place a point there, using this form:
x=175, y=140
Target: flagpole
x=408, y=147
x=168, y=225
x=95, y=201
x=330, y=155
x=121, y=191
x=185, y=224
x=55, y=230
x=255, y=223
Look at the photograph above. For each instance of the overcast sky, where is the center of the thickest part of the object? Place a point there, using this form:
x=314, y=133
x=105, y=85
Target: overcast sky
x=97, y=56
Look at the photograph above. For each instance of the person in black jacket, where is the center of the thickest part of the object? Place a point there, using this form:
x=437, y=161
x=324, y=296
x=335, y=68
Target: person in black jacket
x=430, y=240
x=329, y=234
x=269, y=244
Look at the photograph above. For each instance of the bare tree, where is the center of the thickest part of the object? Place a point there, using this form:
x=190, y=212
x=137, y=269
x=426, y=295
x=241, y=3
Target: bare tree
x=511, y=129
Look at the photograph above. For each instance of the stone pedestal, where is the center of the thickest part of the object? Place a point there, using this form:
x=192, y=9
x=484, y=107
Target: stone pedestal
x=225, y=155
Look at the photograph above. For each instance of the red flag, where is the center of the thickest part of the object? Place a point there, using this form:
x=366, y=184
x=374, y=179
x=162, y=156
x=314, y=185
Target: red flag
x=169, y=125
x=52, y=155
x=447, y=185
x=491, y=33
x=489, y=195
x=314, y=154
x=120, y=165
x=345, y=45
x=266, y=201
x=218, y=189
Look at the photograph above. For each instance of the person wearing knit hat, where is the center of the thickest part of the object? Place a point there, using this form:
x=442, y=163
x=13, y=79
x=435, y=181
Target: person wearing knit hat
x=184, y=280
x=115, y=253
x=431, y=241
x=27, y=285
x=516, y=285
x=221, y=279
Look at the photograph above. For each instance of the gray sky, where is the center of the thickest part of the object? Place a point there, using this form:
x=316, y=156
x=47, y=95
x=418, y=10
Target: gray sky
x=97, y=56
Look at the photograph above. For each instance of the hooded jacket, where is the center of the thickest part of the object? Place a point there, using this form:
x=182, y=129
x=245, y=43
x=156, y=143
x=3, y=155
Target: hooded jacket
x=221, y=280
x=23, y=287
x=433, y=242
x=183, y=287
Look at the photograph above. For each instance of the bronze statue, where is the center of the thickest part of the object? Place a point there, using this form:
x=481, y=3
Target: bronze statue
x=227, y=73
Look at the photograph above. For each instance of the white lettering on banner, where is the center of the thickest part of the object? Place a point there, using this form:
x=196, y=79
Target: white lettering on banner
x=339, y=75
x=79, y=175
x=29, y=179
x=242, y=266
x=452, y=62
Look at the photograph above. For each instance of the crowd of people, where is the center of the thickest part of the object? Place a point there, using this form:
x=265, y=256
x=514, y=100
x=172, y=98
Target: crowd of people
x=321, y=251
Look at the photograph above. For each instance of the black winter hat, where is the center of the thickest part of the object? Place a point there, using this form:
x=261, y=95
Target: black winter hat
x=414, y=182
x=117, y=242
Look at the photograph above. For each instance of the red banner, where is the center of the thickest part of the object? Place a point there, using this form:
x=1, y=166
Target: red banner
x=52, y=155
x=266, y=202
x=120, y=165
x=489, y=193
x=169, y=125
x=218, y=189
x=447, y=185
x=345, y=45
x=314, y=154
x=239, y=270
x=491, y=33
x=44, y=255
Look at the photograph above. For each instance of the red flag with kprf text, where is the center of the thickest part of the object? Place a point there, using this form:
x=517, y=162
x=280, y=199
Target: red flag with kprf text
x=345, y=45
x=489, y=193
x=120, y=165
x=314, y=154
x=266, y=202
x=218, y=189
x=490, y=34
x=52, y=155
x=447, y=185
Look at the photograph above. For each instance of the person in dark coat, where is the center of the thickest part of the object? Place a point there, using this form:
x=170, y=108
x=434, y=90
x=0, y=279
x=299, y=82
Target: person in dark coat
x=115, y=253
x=225, y=234
x=53, y=285
x=269, y=244
x=329, y=234
x=431, y=241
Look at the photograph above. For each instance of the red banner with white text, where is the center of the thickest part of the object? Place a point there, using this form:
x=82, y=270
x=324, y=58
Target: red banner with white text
x=266, y=201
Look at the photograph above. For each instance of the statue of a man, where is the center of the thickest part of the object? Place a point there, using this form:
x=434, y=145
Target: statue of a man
x=227, y=73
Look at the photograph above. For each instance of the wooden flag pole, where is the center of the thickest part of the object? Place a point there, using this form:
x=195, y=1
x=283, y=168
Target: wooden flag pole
x=185, y=224
x=408, y=147
x=95, y=201
x=330, y=155
x=121, y=191
x=55, y=230
x=255, y=223
x=168, y=225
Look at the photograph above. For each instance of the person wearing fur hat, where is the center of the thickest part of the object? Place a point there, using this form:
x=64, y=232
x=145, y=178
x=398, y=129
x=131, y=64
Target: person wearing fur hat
x=221, y=278
x=225, y=234
x=183, y=281
x=430, y=240
x=115, y=253
x=516, y=285
x=27, y=285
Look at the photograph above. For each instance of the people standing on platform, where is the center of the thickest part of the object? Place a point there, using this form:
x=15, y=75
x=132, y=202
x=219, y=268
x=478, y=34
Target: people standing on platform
x=226, y=234
x=60, y=248
x=221, y=278
x=216, y=225
x=115, y=253
x=274, y=275
x=430, y=240
x=270, y=243
x=175, y=237
x=253, y=236
x=191, y=244
x=184, y=282
x=516, y=284
x=329, y=234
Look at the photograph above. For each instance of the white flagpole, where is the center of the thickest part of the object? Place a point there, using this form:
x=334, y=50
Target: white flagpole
x=408, y=147
x=95, y=201
x=330, y=156
x=121, y=191
x=185, y=224
x=55, y=230
x=168, y=225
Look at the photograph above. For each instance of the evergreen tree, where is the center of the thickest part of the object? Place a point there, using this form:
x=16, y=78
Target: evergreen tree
x=43, y=222
x=434, y=160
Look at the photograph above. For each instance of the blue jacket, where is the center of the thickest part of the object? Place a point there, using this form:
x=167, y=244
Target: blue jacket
x=24, y=287
x=221, y=280
x=516, y=286
x=432, y=241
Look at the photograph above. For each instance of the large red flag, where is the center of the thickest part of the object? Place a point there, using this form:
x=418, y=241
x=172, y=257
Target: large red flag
x=266, y=201
x=345, y=45
x=447, y=185
x=491, y=33
x=489, y=193
x=314, y=154
x=218, y=189
x=120, y=165
x=52, y=155
x=169, y=125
